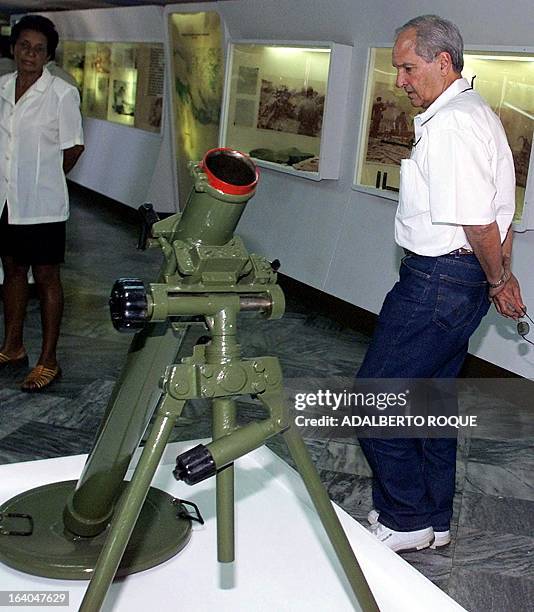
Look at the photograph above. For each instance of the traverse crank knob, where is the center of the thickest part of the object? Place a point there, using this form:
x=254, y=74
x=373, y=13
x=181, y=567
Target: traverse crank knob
x=195, y=465
x=128, y=304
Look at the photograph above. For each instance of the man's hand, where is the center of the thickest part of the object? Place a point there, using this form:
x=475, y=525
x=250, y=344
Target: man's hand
x=508, y=300
x=495, y=261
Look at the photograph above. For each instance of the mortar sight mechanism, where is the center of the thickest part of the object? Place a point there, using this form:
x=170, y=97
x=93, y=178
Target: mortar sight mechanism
x=201, y=253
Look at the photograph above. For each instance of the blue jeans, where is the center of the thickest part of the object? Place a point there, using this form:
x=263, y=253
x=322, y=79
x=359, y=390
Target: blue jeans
x=422, y=332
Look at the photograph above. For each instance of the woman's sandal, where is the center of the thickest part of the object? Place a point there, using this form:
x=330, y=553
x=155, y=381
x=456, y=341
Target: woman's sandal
x=40, y=378
x=9, y=363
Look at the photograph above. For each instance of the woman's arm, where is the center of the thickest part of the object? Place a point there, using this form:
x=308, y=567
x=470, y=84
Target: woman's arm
x=70, y=157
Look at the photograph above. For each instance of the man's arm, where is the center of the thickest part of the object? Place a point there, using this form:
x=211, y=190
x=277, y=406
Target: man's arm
x=495, y=260
x=70, y=157
x=507, y=249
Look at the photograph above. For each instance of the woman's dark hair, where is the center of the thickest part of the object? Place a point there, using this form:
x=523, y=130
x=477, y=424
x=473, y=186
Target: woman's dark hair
x=41, y=24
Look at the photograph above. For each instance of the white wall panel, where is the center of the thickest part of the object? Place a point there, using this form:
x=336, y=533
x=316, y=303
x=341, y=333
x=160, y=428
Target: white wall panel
x=118, y=161
x=136, y=24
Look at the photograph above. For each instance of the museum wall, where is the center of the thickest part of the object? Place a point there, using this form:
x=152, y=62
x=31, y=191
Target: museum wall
x=326, y=233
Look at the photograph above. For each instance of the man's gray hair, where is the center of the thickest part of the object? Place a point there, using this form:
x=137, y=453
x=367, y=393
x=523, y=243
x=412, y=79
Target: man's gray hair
x=435, y=35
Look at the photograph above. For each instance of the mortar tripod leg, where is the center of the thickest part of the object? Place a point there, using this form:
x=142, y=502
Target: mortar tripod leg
x=224, y=420
x=330, y=520
x=131, y=503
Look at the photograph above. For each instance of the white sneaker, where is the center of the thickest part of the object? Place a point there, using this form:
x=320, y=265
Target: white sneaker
x=400, y=541
x=441, y=538
x=372, y=517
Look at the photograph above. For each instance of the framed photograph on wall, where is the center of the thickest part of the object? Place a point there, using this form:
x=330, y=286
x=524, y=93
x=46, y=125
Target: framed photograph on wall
x=123, y=84
x=97, y=71
x=120, y=82
x=149, y=92
x=284, y=104
x=71, y=57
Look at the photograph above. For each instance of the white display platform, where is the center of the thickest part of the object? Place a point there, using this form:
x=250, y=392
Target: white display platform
x=284, y=561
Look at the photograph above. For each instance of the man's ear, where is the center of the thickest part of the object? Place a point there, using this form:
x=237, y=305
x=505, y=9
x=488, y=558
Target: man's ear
x=445, y=62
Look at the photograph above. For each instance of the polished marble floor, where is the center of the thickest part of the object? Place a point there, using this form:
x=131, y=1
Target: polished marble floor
x=490, y=563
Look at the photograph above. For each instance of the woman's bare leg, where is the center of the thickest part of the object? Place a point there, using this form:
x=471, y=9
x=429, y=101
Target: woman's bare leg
x=15, y=297
x=50, y=291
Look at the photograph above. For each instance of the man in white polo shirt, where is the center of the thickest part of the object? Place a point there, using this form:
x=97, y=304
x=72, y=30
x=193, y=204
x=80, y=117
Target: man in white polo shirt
x=456, y=204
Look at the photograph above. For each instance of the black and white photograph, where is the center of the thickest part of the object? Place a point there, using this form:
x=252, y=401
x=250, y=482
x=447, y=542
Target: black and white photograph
x=287, y=109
